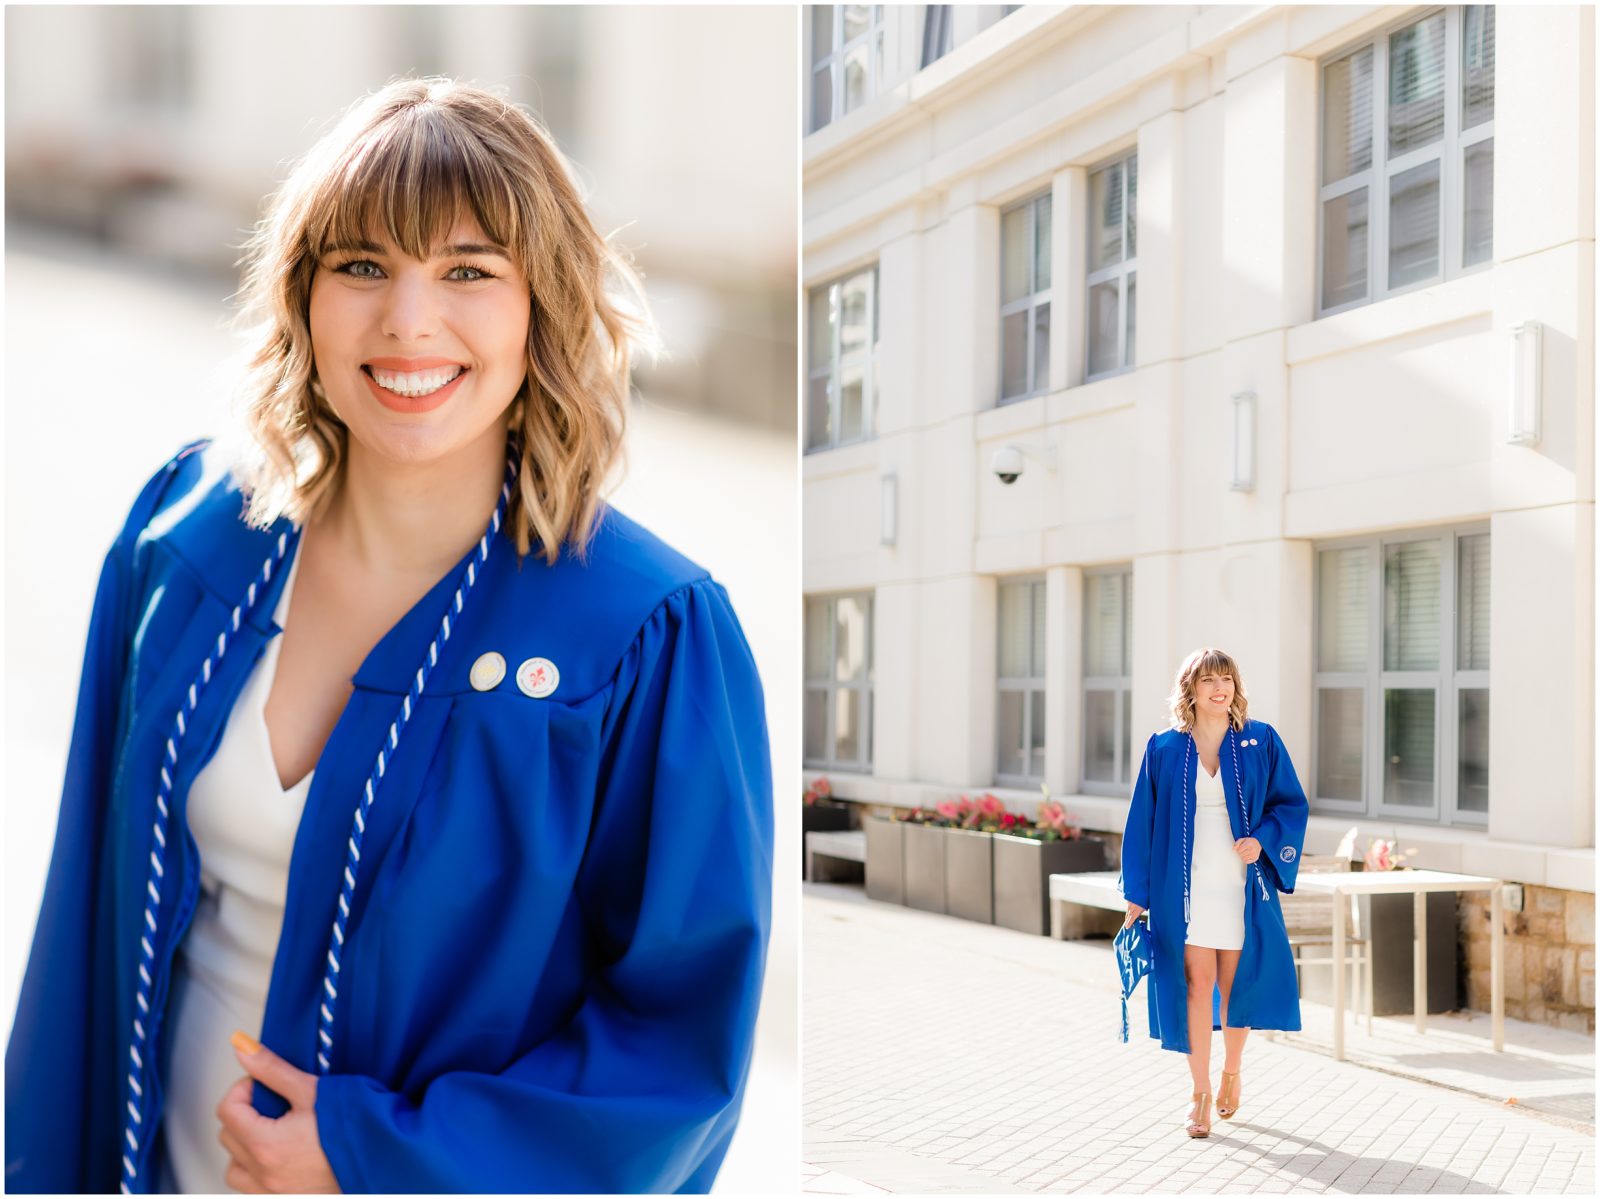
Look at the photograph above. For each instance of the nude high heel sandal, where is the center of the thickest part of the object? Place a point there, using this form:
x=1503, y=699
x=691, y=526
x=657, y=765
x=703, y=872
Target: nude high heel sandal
x=1228, y=1096
x=1200, y=1119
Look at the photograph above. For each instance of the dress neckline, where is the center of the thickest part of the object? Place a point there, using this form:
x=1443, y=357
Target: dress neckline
x=270, y=673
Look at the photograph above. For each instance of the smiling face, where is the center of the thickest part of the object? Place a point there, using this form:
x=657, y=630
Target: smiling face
x=1213, y=692
x=418, y=358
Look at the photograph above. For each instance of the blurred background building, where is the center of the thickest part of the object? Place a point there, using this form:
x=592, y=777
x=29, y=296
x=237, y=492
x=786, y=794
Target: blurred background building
x=159, y=130
x=140, y=145
x=1132, y=330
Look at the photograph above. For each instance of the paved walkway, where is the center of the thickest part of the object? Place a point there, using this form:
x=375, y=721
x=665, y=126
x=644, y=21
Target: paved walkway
x=946, y=1057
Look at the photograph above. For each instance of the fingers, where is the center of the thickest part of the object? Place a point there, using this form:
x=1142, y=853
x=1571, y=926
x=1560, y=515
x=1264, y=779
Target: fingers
x=241, y=1179
x=235, y=1111
x=236, y=1149
x=273, y=1072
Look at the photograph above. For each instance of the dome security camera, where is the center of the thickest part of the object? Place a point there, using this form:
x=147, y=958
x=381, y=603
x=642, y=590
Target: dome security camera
x=1007, y=464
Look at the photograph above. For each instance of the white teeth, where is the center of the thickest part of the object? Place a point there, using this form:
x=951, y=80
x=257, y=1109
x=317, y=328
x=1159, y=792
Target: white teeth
x=417, y=383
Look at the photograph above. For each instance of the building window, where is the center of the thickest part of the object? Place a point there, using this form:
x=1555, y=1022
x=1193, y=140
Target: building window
x=936, y=32
x=1020, y=711
x=1107, y=679
x=1025, y=299
x=846, y=58
x=1113, y=253
x=1407, y=192
x=838, y=715
x=841, y=374
x=1402, y=677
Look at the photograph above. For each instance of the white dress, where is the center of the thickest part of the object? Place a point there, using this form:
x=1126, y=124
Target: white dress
x=244, y=825
x=1216, y=875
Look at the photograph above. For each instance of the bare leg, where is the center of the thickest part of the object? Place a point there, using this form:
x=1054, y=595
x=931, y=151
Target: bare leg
x=1230, y=1089
x=1232, y=1038
x=1200, y=968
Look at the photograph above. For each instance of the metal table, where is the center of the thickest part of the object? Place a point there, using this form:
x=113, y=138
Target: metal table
x=1417, y=883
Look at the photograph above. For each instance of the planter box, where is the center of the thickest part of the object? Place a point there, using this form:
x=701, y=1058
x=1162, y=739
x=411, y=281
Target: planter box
x=1022, y=870
x=969, y=874
x=924, y=869
x=1388, y=921
x=886, y=875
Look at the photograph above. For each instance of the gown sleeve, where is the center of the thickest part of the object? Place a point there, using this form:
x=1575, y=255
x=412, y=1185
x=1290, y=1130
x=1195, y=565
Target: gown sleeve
x=1137, y=835
x=1282, y=829
x=49, y=1091
x=640, y=1090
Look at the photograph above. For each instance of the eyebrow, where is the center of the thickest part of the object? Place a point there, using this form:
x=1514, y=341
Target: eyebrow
x=367, y=247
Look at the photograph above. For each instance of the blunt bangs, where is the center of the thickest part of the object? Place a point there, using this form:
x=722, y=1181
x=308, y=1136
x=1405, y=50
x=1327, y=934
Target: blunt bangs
x=408, y=183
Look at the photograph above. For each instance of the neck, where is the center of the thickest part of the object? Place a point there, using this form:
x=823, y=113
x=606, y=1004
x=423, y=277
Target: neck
x=404, y=519
x=1210, y=726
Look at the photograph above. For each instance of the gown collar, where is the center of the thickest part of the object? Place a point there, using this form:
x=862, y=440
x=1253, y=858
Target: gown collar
x=205, y=527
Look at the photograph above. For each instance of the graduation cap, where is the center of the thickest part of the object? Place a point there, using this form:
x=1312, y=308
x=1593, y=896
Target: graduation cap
x=1132, y=946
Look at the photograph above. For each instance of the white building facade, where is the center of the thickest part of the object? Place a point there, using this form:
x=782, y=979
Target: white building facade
x=1279, y=321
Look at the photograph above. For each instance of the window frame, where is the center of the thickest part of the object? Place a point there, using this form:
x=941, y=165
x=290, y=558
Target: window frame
x=831, y=686
x=1026, y=685
x=1029, y=303
x=1449, y=152
x=1121, y=687
x=835, y=57
x=837, y=364
x=1127, y=266
x=1373, y=681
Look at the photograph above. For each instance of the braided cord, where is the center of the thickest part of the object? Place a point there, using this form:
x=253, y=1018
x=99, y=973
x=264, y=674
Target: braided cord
x=144, y=992
x=358, y=829
x=1244, y=809
x=143, y=995
x=1186, y=799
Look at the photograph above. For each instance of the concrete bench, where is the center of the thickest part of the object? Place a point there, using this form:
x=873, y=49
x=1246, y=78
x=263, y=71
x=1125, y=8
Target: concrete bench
x=850, y=846
x=1087, y=904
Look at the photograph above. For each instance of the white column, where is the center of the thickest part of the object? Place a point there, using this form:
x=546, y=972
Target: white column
x=1541, y=661
x=895, y=680
x=955, y=640
x=1156, y=650
x=901, y=310
x=1069, y=210
x=1544, y=132
x=1063, y=685
x=963, y=329
x=1160, y=208
x=1269, y=197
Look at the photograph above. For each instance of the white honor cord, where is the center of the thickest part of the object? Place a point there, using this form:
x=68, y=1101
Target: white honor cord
x=1244, y=811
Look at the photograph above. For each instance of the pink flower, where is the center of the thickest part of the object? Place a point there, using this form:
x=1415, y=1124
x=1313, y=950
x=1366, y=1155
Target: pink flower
x=822, y=786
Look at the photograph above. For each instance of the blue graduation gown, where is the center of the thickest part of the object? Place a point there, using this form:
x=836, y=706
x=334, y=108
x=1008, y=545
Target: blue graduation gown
x=1157, y=845
x=557, y=938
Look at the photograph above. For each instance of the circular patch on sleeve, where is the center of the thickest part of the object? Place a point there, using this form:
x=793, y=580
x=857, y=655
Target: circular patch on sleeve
x=1287, y=853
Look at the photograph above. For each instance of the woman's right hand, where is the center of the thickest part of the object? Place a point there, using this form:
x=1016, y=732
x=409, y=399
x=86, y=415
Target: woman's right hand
x=1134, y=912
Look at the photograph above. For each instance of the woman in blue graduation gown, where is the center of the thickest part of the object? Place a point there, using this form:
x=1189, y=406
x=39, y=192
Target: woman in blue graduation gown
x=528, y=901
x=1221, y=956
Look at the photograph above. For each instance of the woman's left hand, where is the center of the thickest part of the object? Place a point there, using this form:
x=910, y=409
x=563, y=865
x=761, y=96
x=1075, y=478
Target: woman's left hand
x=1248, y=849
x=282, y=1156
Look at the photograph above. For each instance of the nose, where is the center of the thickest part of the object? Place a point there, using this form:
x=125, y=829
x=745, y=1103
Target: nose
x=410, y=311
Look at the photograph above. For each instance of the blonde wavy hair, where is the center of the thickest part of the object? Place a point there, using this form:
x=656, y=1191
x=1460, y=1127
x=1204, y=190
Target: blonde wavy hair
x=409, y=160
x=1182, y=700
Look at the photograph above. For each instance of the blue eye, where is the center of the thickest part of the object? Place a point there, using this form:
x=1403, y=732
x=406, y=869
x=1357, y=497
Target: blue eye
x=358, y=268
x=347, y=268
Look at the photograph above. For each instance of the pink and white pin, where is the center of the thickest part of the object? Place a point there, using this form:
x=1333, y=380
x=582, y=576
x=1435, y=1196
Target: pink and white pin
x=537, y=677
